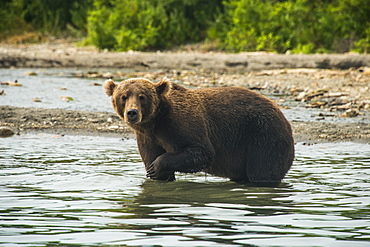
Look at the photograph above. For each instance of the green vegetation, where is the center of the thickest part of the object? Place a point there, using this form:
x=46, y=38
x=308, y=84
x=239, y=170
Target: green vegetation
x=306, y=26
x=297, y=25
x=43, y=17
x=150, y=24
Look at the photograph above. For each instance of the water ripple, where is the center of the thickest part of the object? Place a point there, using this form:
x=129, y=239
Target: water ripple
x=92, y=191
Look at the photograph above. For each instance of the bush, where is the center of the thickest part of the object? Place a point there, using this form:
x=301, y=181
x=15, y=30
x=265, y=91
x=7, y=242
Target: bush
x=48, y=17
x=149, y=24
x=124, y=25
x=297, y=25
x=11, y=22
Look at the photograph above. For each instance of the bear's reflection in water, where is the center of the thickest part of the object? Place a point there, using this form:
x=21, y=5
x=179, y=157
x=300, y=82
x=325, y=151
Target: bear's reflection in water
x=184, y=196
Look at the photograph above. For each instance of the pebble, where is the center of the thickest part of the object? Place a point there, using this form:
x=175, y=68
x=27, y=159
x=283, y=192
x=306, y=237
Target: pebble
x=351, y=113
x=15, y=84
x=364, y=70
x=107, y=75
x=316, y=104
x=93, y=120
x=307, y=96
x=341, y=101
x=66, y=98
x=9, y=83
x=6, y=131
x=30, y=73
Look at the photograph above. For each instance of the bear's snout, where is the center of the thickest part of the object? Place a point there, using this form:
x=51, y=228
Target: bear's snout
x=132, y=115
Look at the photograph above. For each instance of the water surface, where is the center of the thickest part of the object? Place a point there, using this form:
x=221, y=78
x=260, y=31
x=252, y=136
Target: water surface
x=51, y=86
x=76, y=190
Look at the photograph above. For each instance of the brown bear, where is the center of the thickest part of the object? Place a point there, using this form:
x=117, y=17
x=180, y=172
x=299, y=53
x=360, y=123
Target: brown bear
x=231, y=132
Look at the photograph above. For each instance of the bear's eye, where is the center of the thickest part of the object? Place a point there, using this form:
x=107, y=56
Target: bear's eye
x=142, y=97
x=124, y=97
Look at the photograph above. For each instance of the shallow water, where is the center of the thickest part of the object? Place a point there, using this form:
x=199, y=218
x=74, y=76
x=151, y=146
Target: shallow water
x=76, y=190
x=47, y=87
x=86, y=97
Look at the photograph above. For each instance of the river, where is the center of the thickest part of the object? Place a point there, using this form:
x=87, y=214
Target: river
x=93, y=191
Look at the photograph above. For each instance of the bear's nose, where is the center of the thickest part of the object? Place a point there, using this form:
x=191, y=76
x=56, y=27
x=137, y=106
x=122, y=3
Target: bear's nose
x=132, y=115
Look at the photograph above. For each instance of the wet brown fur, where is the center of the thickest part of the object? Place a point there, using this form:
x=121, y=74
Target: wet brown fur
x=230, y=132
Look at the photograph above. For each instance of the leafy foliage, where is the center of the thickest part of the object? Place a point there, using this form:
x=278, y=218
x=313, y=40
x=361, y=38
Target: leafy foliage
x=9, y=19
x=297, y=26
x=138, y=24
x=49, y=17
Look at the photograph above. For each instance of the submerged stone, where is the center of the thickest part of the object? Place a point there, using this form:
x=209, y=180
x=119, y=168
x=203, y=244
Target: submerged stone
x=6, y=131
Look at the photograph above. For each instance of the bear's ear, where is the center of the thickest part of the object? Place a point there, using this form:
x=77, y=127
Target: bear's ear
x=163, y=87
x=109, y=87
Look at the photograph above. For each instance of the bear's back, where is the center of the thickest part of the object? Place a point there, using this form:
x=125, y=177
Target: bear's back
x=226, y=107
x=236, y=105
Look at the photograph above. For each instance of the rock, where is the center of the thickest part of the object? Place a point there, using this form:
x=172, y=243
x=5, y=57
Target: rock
x=94, y=120
x=345, y=106
x=6, y=131
x=107, y=75
x=30, y=73
x=15, y=84
x=66, y=98
x=364, y=70
x=300, y=96
x=307, y=96
x=337, y=94
x=316, y=104
x=326, y=115
x=97, y=84
x=9, y=83
x=36, y=99
x=79, y=74
x=296, y=90
x=351, y=113
x=340, y=101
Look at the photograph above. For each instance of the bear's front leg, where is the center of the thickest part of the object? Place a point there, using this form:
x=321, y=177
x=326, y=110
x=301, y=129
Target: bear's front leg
x=190, y=160
x=158, y=170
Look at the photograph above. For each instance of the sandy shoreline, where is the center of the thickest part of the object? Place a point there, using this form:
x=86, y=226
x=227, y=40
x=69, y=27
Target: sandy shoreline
x=343, y=78
x=66, y=55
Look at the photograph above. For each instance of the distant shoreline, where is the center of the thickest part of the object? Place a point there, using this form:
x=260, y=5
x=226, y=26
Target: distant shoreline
x=67, y=55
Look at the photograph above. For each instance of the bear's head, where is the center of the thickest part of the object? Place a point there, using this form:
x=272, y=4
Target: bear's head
x=137, y=100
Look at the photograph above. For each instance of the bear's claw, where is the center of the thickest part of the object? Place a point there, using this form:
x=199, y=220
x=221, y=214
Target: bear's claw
x=153, y=174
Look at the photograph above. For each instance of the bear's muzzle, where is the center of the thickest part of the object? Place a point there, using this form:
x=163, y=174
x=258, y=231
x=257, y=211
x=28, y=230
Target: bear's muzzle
x=132, y=115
